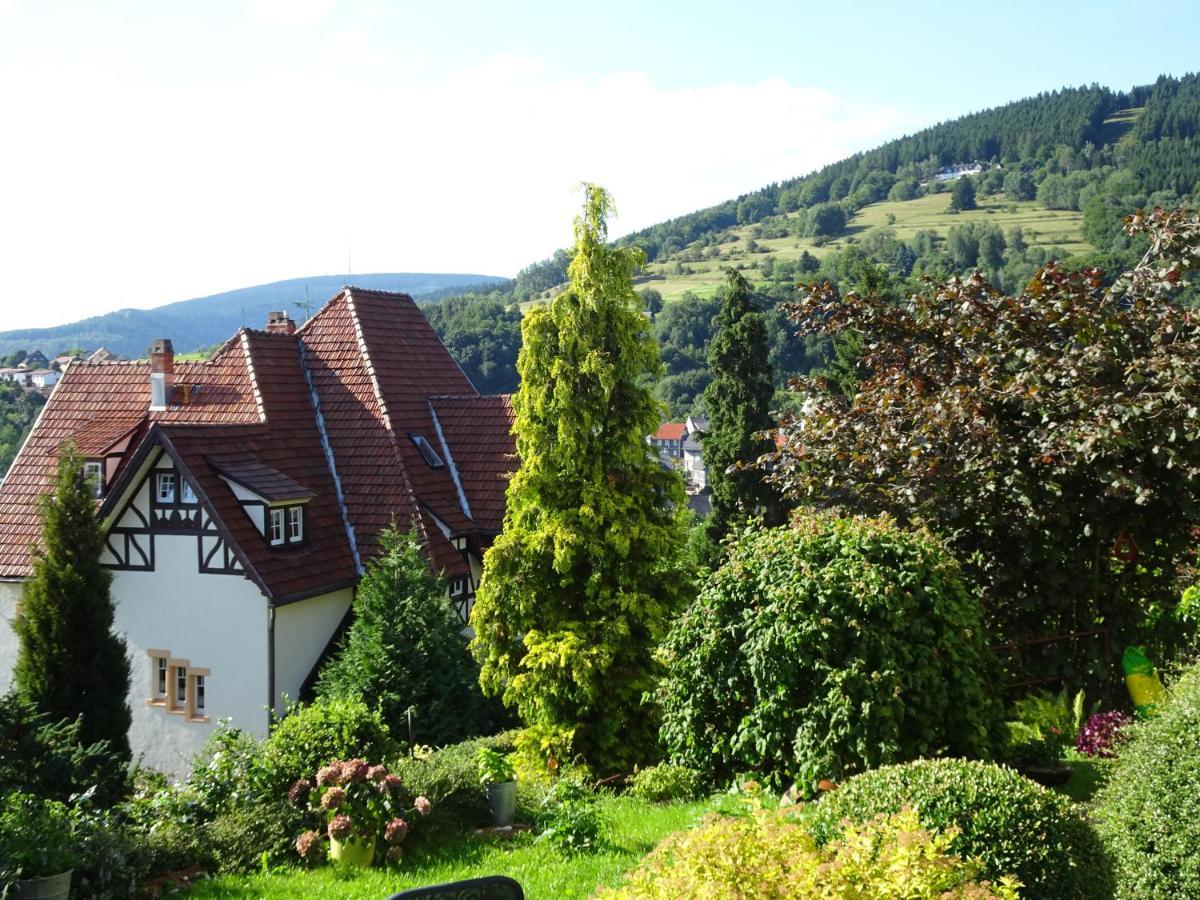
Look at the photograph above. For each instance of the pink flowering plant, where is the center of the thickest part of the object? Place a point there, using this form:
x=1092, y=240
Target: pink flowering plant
x=1103, y=734
x=358, y=802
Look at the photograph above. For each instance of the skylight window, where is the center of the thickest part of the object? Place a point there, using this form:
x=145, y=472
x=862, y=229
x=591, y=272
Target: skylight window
x=427, y=452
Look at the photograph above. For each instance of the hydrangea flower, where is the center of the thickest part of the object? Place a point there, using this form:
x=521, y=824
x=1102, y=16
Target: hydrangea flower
x=395, y=853
x=298, y=794
x=334, y=797
x=393, y=783
x=377, y=773
x=423, y=805
x=1102, y=734
x=396, y=831
x=308, y=845
x=340, y=827
x=354, y=771
x=330, y=774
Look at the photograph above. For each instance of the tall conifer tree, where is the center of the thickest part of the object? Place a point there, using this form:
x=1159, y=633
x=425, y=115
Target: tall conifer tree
x=738, y=400
x=583, y=581
x=70, y=662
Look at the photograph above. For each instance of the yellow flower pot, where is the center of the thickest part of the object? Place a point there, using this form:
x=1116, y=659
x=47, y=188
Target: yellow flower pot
x=354, y=851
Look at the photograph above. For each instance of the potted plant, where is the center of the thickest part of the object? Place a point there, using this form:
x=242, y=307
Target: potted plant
x=497, y=775
x=37, y=848
x=360, y=803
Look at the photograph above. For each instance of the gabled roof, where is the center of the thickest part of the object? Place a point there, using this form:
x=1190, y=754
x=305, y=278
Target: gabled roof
x=670, y=431
x=323, y=415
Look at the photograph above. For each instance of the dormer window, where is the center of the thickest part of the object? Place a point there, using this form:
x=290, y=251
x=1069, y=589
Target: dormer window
x=276, y=527
x=285, y=526
x=93, y=474
x=295, y=524
x=427, y=452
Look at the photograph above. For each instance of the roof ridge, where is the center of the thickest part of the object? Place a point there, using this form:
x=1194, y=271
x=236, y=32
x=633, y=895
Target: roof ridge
x=252, y=375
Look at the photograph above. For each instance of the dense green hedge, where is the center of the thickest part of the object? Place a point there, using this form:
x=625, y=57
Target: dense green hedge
x=1149, y=812
x=825, y=649
x=1009, y=823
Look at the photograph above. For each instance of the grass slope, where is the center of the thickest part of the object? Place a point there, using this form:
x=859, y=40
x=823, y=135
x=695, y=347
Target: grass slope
x=542, y=872
x=1051, y=228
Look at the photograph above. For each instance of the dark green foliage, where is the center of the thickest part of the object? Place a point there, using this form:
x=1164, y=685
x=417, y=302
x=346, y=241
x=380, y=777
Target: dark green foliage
x=483, y=334
x=1149, y=812
x=310, y=736
x=48, y=758
x=18, y=410
x=35, y=838
x=585, y=577
x=738, y=402
x=1031, y=431
x=824, y=649
x=406, y=650
x=570, y=819
x=542, y=276
x=962, y=198
x=70, y=663
x=1010, y=824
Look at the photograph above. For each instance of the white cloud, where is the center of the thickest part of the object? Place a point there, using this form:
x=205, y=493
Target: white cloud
x=136, y=193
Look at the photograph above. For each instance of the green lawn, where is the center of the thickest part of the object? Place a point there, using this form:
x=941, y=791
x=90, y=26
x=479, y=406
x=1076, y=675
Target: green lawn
x=541, y=871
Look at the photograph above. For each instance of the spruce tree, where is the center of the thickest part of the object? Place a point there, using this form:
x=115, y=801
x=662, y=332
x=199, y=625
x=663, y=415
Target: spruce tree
x=70, y=663
x=406, y=649
x=738, y=400
x=587, y=574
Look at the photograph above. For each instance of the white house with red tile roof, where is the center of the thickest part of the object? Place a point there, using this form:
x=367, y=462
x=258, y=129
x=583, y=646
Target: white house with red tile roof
x=241, y=497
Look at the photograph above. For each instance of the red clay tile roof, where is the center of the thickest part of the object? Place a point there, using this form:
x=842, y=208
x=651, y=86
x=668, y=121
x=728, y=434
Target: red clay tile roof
x=329, y=409
x=478, y=440
x=255, y=475
x=670, y=431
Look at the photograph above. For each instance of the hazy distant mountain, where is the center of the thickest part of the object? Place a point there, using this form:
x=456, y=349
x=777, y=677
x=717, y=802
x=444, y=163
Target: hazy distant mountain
x=204, y=321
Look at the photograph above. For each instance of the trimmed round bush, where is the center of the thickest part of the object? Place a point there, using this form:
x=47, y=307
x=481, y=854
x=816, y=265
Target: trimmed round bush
x=1007, y=822
x=310, y=736
x=1148, y=814
x=664, y=783
x=825, y=649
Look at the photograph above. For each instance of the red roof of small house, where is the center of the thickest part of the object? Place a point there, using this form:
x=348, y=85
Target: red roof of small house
x=670, y=431
x=332, y=413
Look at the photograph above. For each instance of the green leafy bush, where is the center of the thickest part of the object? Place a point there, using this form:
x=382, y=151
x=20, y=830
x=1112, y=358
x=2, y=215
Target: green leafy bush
x=310, y=736
x=889, y=856
x=824, y=649
x=49, y=759
x=665, y=782
x=1011, y=825
x=36, y=839
x=1148, y=814
x=570, y=819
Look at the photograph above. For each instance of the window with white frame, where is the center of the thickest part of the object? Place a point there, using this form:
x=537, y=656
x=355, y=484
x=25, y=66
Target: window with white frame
x=276, y=527
x=181, y=686
x=187, y=493
x=165, y=487
x=93, y=474
x=160, y=676
x=295, y=516
x=177, y=686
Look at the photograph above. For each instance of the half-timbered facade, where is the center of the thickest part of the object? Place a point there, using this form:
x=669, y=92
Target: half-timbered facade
x=242, y=496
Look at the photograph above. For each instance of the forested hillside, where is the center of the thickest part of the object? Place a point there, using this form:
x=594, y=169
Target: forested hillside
x=18, y=410
x=1052, y=175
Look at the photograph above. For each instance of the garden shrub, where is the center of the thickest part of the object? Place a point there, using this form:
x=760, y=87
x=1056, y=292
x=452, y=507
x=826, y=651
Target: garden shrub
x=773, y=855
x=823, y=649
x=570, y=819
x=49, y=759
x=664, y=783
x=1148, y=814
x=1010, y=824
x=310, y=736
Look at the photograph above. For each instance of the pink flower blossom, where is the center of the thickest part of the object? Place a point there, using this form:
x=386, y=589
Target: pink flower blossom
x=393, y=783
x=423, y=805
x=354, y=770
x=308, y=845
x=395, y=831
x=334, y=797
x=377, y=773
x=341, y=827
x=330, y=774
x=298, y=794
x=394, y=854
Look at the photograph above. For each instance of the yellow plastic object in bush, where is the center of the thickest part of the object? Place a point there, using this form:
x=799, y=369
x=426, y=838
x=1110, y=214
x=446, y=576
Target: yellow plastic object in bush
x=1145, y=688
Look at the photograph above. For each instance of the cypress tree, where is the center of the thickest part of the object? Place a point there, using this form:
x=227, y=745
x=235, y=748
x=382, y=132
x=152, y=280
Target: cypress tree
x=738, y=401
x=70, y=663
x=587, y=573
x=406, y=649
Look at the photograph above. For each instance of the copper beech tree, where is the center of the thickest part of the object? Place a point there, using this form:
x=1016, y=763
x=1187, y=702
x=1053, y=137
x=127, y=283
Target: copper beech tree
x=1052, y=438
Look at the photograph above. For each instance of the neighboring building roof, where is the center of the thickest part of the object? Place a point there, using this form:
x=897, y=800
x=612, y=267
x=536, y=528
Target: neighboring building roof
x=670, y=431
x=691, y=445
x=324, y=415
x=103, y=355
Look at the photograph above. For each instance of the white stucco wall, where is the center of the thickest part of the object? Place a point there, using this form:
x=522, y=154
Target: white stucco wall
x=10, y=596
x=302, y=630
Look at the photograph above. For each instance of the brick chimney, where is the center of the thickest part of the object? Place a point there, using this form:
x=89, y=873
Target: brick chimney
x=162, y=373
x=280, y=323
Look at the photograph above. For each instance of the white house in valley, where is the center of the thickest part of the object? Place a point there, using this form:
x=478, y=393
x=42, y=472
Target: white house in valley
x=241, y=497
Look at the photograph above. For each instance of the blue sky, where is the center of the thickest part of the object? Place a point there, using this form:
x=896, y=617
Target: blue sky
x=156, y=151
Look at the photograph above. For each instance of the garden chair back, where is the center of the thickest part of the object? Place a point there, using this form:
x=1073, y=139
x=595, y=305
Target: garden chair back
x=493, y=887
